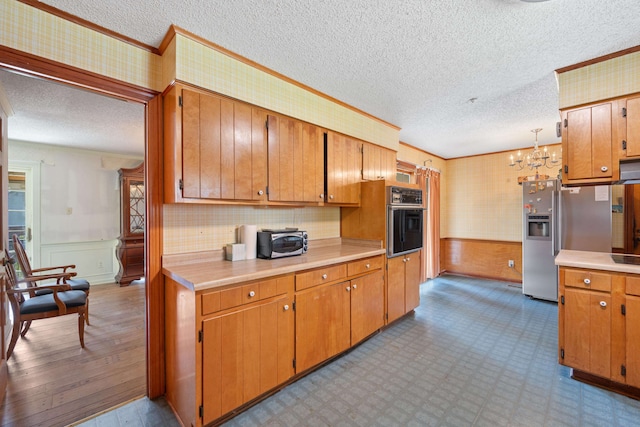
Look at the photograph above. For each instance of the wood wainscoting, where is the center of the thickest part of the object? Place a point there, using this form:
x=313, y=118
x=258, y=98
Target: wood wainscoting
x=482, y=258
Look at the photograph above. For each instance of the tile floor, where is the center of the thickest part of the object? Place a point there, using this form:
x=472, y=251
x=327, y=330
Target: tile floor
x=475, y=353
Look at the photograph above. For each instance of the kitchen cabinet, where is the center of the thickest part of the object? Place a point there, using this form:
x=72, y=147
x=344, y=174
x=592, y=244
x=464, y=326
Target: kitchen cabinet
x=586, y=310
x=378, y=162
x=337, y=307
x=628, y=115
x=322, y=324
x=245, y=353
x=215, y=148
x=588, y=137
x=227, y=347
x=296, y=160
x=344, y=169
x=367, y=305
x=403, y=285
x=632, y=330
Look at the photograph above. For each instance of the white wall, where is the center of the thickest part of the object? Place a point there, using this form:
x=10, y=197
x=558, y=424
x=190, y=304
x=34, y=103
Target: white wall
x=79, y=205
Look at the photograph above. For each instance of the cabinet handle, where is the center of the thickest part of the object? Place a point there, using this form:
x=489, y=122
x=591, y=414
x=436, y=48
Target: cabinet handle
x=587, y=281
x=355, y=286
x=324, y=276
x=260, y=193
x=604, y=168
x=603, y=304
x=252, y=294
x=286, y=307
x=348, y=289
x=367, y=266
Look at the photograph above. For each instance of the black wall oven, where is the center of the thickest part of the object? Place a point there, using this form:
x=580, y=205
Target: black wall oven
x=405, y=220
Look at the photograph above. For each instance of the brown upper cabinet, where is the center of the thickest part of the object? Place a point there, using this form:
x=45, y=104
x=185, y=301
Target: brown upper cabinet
x=587, y=145
x=344, y=169
x=629, y=129
x=296, y=160
x=378, y=162
x=215, y=148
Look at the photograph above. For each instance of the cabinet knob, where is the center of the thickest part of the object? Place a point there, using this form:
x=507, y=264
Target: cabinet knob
x=286, y=307
x=252, y=294
x=355, y=286
x=587, y=281
x=603, y=304
x=321, y=196
x=348, y=288
x=604, y=168
x=324, y=276
x=331, y=196
x=260, y=193
x=408, y=259
x=367, y=266
x=404, y=260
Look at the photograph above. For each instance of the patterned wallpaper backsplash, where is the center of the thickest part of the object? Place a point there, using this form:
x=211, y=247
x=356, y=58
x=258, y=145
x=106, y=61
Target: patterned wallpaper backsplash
x=189, y=228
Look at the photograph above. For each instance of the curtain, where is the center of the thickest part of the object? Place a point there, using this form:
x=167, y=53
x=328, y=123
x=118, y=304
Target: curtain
x=429, y=182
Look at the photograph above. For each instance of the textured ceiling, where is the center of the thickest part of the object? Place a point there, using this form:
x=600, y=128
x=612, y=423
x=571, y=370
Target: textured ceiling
x=413, y=63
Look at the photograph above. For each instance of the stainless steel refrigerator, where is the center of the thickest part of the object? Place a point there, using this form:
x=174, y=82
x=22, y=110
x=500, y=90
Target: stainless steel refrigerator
x=554, y=218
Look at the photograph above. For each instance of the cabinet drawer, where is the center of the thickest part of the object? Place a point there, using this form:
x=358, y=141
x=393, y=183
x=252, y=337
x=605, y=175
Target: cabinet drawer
x=586, y=279
x=364, y=265
x=320, y=276
x=633, y=286
x=245, y=294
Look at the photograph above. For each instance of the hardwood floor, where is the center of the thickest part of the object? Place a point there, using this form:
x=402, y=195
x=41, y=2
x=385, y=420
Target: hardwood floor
x=54, y=382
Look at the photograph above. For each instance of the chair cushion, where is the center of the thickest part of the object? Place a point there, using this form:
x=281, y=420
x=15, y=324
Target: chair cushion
x=76, y=285
x=43, y=303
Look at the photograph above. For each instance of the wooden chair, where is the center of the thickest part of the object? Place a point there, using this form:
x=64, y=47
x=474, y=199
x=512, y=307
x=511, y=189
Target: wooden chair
x=66, y=275
x=60, y=301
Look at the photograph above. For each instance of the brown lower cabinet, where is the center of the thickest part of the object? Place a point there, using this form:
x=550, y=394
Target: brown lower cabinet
x=331, y=318
x=599, y=327
x=403, y=285
x=226, y=347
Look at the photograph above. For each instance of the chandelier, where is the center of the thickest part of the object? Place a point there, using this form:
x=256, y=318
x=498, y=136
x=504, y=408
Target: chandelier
x=535, y=159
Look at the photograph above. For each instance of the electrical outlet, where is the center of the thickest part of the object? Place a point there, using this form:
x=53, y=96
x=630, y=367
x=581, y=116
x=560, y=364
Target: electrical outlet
x=511, y=263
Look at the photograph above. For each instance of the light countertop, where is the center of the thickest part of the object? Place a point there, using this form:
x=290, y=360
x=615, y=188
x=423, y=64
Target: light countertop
x=206, y=270
x=594, y=261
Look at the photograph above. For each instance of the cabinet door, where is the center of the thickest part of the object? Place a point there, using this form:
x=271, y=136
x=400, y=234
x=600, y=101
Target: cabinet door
x=371, y=162
x=395, y=288
x=244, y=354
x=633, y=127
x=377, y=162
x=412, y=281
x=344, y=169
x=296, y=160
x=388, y=164
x=587, y=334
x=367, y=305
x=322, y=324
x=633, y=340
x=587, y=140
x=223, y=148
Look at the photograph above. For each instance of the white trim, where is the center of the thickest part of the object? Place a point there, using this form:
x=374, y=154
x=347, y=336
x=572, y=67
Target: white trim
x=31, y=169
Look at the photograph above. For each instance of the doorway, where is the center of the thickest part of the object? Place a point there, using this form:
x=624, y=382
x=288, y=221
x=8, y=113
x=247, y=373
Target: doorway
x=24, y=217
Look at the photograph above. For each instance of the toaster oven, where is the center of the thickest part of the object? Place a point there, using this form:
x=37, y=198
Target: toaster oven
x=281, y=243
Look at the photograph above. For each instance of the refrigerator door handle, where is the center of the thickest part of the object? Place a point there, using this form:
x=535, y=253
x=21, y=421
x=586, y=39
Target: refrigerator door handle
x=558, y=218
x=553, y=223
